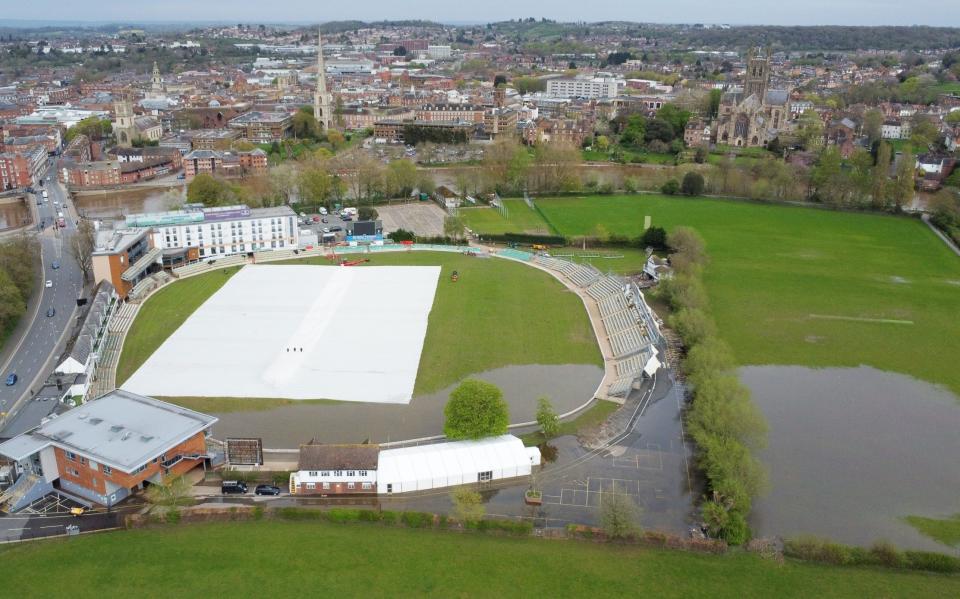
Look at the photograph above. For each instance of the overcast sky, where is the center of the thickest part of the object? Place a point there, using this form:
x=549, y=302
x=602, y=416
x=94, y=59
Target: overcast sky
x=804, y=12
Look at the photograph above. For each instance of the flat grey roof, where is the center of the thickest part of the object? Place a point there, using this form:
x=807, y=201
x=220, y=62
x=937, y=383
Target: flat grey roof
x=120, y=429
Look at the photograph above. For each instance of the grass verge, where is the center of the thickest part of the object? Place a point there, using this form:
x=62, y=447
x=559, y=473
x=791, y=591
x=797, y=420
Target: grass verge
x=589, y=418
x=945, y=530
x=209, y=558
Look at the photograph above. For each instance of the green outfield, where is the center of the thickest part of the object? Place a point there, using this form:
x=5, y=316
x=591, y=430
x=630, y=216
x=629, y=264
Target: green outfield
x=795, y=285
x=521, y=219
x=499, y=313
x=284, y=559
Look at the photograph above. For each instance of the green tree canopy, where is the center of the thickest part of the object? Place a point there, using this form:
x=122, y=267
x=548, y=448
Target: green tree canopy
x=476, y=409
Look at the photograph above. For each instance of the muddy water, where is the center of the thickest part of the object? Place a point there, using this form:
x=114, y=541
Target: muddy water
x=112, y=204
x=567, y=386
x=854, y=450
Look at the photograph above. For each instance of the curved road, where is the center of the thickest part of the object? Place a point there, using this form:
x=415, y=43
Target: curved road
x=34, y=353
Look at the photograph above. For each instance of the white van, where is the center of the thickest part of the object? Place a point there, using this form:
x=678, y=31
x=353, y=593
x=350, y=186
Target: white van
x=323, y=211
x=44, y=194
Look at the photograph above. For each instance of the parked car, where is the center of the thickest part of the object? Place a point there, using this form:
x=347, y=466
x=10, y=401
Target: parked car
x=326, y=229
x=48, y=284
x=11, y=379
x=334, y=229
x=55, y=264
x=324, y=220
x=316, y=219
x=233, y=486
x=181, y=176
x=267, y=490
x=51, y=312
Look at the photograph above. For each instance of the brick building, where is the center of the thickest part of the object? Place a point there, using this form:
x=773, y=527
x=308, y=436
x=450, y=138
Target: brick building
x=450, y=113
x=262, y=127
x=106, y=450
x=231, y=165
x=20, y=169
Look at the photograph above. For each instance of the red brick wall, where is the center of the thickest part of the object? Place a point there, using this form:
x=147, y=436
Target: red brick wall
x=94, y=479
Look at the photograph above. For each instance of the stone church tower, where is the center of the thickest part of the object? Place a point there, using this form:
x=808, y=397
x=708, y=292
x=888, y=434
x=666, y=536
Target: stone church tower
x=758, y=74
x=124, y=127
x=322, y=99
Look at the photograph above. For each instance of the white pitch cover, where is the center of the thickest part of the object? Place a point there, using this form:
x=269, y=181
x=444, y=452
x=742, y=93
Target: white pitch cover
x=300, y=332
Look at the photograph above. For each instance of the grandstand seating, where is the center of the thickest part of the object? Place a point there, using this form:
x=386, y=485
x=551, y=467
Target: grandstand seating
x=627, y=342
x=612, y=304
x=604, y=287
x=621, y=387
x=619, y=321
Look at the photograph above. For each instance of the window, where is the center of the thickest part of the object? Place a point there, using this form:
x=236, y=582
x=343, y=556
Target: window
x=325, y=473
x=83, y=460
x=71, y=456
x=313, y=473
x=73, y=472
x=107, y=470
x=351, y=486
x=367, y=486
x=485, y=476
x=311, y=485
x=362, y=472
x=338, y=472
x=326, y=486
x=351, y=473
x=389, y=488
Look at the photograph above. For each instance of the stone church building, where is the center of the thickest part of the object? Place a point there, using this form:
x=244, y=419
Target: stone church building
x=753, y=115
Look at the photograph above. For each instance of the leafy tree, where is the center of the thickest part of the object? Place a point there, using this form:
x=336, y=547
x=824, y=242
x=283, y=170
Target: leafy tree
x=336, y=139
x=619, y=516
x=873, y=124
x=810, y=130
x=467, y=505
x=12, y=305
x=693, y=184
x=367, y=213
x=660, y=130
x=670, y=187
x=655, y=237
x=903, y=181
x=476, y=409
x=318, y=184
x=674, y=115
x=400, y=51
x=953, y=118
x=713, y=105
x=547, y=418
x=635, y=130
x=93, y=127
x=923, y=132
x=401, y=178
x=693, y=325
x=305, y=125
x=173, y=491
x=602, y=143
x=208, y=190
x=454, y=226
x=688, y=247
x=82, y=245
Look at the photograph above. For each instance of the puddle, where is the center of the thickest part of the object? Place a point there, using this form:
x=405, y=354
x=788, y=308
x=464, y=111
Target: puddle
x=852, y=451
x=567, y=386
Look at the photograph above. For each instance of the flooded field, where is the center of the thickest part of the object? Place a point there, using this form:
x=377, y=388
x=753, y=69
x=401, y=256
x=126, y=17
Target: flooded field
x=852, y=451
x=567, y=386
x=113, y=204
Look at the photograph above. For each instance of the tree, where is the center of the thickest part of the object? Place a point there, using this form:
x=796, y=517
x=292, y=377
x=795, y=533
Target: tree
x=318, y=184
x=82, y=245
x=173, y=491
x=619, y=515
x=547, y=418
x=401, y=178
x=922, y=132
x=713, y=106
x=655, y=237
x=688, y=247
x=476, y=409
x=467, y=505
x=454, y=226
x=12, y=304
x=505, y=165
x=555, y=167
x=602, y=143
x=873, y=124
x=810, y=130
x=670, y=187
x=903, y=180
x=336, y=139
x=367, y=213
x=208, y=190
x=692, y=184
x=304, y=125
x=400, y=51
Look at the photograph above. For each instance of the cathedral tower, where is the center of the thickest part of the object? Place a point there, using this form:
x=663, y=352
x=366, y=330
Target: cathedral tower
x=124, y=126
x=758, y=74
x=322, y=99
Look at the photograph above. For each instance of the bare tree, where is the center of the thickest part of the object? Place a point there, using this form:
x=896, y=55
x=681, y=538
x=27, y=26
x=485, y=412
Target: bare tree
x=81, y=246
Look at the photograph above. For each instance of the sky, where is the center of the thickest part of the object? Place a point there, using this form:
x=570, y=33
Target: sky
x=804, y=12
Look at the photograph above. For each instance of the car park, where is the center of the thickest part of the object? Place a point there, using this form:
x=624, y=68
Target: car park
x=233, y=487
x=267, y=490
x=11, y=379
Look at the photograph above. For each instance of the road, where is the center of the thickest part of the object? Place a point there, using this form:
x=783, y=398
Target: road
x=42, y=339
x=15, y=528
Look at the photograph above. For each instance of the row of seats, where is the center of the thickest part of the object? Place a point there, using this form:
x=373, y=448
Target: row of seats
x=273, y=255
x=619, y=321
x=621, y=387
x=628, y=341
x=604, y=287
x=612, y=304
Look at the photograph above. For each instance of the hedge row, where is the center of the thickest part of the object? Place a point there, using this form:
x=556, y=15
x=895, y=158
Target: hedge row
x=879, y=554
x=526, y=239
x=409, y=519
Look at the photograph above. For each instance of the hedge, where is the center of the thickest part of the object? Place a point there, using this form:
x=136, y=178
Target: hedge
x=817, y=549
x=526, y=239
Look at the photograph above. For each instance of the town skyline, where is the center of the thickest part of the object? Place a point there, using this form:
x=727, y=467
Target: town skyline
x=749, y=12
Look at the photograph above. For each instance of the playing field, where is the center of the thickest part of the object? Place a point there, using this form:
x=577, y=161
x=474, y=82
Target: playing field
x=295, y=332
x=499, y=313
x=794, y=285
x=279, y=559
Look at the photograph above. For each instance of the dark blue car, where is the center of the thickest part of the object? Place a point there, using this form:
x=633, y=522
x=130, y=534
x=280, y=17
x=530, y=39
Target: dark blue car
x=11, y=379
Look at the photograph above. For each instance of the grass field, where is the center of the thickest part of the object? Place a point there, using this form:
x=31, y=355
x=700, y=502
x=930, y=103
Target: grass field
x=522, y=219
x=162, y=314
x=498, y=314
x=946, y=530
x=283, y=559
x=792, y=285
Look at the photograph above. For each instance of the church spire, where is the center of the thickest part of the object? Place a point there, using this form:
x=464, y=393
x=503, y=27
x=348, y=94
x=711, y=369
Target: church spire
x=321, y=97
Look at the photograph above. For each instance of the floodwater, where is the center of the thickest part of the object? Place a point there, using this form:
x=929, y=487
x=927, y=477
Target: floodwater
x=852, y=451
x=567, y=386
x=115, y=204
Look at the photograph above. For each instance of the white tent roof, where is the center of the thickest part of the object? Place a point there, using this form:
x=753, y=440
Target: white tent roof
x=443, y=460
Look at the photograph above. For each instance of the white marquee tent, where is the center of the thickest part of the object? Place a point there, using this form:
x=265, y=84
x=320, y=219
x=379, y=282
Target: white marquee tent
x=456, y=463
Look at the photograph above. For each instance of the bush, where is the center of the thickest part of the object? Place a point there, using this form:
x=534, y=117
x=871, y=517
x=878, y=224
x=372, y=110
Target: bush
x=370, y=516
x=931, y=562
x=403, y=235
x=258, y=512
x=342, y=515
x=389, y=517
x=885, y=554
x=670, y=188
x=298, y=513
x=172, y=516
x=417, y=519
x=525, y=239
x=655, y=237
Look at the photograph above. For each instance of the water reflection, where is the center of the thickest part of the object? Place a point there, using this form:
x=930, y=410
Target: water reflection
x=854, y=450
